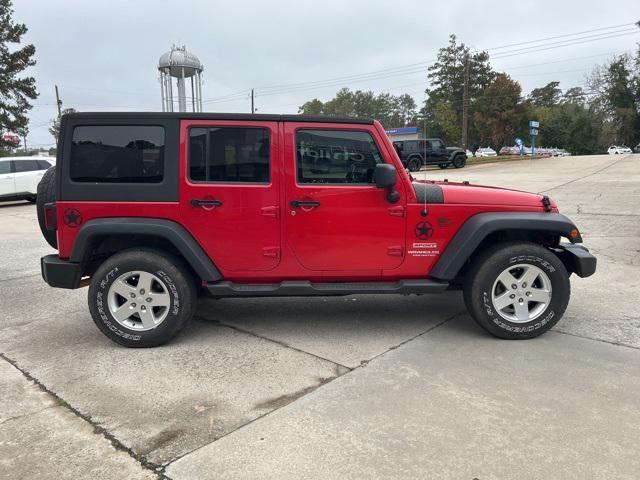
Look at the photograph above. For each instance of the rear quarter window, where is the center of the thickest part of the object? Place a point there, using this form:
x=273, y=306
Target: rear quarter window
x=117, y=154
x=44, y=165
x=25, y=166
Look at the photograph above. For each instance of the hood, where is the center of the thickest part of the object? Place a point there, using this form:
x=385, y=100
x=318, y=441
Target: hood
x=483, y=195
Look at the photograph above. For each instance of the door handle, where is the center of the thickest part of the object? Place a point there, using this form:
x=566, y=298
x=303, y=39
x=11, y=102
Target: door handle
x=206, y=202
x=305, y=203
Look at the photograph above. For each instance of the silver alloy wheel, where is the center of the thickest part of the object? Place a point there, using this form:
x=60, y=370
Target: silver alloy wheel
x=521, y=293
x=138, y=300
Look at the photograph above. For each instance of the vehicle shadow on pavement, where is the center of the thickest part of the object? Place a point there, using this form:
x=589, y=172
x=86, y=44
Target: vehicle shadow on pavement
x=16, y=204
x=345, y=330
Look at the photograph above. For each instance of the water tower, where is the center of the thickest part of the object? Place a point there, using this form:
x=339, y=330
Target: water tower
x=182, y=65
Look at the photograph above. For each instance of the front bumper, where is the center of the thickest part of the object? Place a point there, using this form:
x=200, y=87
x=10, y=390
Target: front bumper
x=577, y=259
x=60, y=273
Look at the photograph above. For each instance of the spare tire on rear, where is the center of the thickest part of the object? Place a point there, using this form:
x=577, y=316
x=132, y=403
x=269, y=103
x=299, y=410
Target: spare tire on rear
x=46, y=194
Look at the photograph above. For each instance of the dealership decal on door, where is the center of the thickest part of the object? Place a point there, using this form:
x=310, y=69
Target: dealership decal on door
x=424, y=249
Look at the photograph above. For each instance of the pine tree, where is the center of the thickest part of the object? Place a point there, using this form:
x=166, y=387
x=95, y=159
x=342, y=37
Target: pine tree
x=446, y=84
x=54, y=129
x=15, y=90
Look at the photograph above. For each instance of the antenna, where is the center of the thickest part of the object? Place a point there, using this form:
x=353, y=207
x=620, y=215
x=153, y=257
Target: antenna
x=424, y=211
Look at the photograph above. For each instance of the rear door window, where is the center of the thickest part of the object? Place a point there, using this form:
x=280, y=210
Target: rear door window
x=5, y=167
x=229, y=155
x=117, y=154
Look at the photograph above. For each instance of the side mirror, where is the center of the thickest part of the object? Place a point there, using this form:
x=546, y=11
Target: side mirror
x=385, y=176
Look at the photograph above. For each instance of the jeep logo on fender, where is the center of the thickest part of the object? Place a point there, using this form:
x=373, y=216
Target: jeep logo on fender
x=72, y=217
x=423, y=230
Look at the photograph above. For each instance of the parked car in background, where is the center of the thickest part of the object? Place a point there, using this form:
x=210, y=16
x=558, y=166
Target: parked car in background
x=486, y=152
x=430, y=151
x=19, y=177
x=636, y=149
x=468, y=153
x=618, y=149
x=561, y=152
x=515, y=150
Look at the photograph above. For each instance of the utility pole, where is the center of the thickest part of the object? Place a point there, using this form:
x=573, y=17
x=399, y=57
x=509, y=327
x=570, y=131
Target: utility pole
x=24, y=140
x=465, y=103
x=58, y=102
x=253, y=110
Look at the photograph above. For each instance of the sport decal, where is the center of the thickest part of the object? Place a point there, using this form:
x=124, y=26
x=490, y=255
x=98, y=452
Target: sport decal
x=72, y=217
x=423, y=230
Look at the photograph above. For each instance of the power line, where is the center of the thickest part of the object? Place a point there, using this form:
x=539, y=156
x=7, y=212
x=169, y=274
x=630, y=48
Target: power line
x=564, y=43
x=413, y=70
x=560, y=36
x=419, y=66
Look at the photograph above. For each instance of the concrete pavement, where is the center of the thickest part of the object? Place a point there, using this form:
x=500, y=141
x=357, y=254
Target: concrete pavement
x=352, y=387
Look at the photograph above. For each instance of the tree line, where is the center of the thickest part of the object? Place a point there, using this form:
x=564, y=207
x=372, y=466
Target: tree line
x=582, y=119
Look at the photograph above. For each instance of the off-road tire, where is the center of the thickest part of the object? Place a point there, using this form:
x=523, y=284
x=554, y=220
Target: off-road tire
x=46, y=194
x=480, y=279
x=459, y=161
x=414, y=164
x=171, y=270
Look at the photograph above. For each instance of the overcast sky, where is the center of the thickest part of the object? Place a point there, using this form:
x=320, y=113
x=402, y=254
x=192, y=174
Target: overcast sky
x=103, y=54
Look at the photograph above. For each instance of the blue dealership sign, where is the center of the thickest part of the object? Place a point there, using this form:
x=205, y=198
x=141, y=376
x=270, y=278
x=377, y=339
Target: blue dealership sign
x=401, y=130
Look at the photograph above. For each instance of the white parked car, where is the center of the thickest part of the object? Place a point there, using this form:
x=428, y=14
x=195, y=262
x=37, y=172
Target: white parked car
x=19, y=176
x=469, y=153
x=486, y=152
x=616, y=149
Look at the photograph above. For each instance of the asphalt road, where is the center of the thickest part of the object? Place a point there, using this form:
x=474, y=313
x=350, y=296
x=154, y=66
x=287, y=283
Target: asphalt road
x=350, y=387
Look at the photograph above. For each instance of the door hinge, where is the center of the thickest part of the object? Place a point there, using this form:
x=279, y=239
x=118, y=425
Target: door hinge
x=272, y=252
x=270, y=211
x=397, y=211
x=395, y=251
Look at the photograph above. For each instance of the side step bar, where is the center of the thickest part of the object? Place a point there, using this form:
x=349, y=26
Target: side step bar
x=305, y=288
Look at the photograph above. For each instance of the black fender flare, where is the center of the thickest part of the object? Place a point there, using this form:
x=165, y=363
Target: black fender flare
x=169, y=230
x=479, y=226
x=455, y=153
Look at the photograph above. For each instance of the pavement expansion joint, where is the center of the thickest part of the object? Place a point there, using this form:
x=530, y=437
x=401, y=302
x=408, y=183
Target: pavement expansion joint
x=278, y=342
x=158, y=470
x=622, y=157
x=609, y=342
x=306, y=391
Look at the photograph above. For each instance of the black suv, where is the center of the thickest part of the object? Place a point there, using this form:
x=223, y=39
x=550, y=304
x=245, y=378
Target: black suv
x=430, y=151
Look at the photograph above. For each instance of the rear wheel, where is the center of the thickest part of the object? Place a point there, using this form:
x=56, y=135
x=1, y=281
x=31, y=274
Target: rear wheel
x=517, y=290
x=460, y=161
x=414, y=164
x=142, y=297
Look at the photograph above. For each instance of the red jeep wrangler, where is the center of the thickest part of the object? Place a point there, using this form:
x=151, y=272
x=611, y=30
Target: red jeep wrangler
x=152, y=209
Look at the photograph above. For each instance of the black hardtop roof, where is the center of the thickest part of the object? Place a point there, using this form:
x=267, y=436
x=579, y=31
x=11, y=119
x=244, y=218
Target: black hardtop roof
x=263, y=117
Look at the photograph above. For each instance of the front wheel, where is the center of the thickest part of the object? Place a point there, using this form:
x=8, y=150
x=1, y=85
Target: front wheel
x=517, y=290
x=142, y=297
